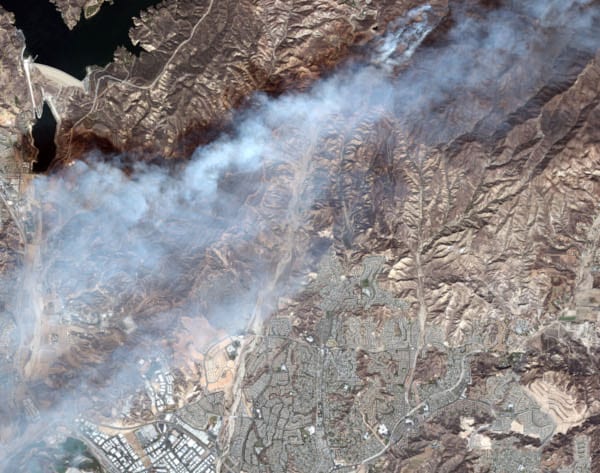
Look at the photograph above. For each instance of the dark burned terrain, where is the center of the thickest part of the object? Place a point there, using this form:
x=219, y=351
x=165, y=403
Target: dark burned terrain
x=472, y=172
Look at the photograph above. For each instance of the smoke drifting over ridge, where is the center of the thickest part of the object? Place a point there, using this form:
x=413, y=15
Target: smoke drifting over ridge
x=135, y=249
x=454, y=84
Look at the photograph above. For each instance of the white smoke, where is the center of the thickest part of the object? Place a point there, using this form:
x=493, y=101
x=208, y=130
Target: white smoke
x=112, y=234
x=404, y=36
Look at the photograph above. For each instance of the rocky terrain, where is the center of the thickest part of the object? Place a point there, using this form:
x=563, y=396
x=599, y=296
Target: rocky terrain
x=405, y=220
x=72, y=10
x=203, y=60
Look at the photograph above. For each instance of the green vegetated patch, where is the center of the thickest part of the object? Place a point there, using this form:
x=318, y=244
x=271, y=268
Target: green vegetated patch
x=568, y=318
x=510, y=360
x=90, y=10
x=74, y=452
x=515, y=357
x=39, y=457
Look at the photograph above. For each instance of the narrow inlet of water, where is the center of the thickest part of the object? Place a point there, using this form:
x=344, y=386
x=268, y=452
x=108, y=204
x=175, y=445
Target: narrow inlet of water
x=43, y=133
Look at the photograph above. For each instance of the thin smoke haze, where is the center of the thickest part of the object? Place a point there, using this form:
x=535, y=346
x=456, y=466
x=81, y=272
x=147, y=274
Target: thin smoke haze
x=128, y=248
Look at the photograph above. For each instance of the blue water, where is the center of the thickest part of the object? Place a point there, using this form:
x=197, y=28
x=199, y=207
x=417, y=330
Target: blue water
x=91, y=42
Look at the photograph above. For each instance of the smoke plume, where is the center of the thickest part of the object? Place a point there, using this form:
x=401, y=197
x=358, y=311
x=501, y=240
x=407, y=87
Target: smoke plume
x=129, y=251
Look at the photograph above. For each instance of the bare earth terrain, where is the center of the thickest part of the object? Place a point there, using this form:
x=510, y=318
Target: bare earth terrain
x=309, y=236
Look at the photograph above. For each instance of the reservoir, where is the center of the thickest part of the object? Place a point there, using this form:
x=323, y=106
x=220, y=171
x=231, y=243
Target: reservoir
x=91, y=42
x=43, y=133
